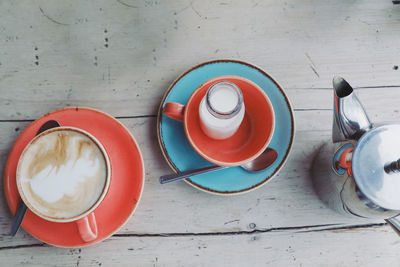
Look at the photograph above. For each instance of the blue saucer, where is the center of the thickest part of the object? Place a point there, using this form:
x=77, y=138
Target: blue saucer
x=181, y=156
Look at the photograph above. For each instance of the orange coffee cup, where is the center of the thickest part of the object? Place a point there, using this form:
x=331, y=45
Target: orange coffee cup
x=45, y=163
x=249, y=141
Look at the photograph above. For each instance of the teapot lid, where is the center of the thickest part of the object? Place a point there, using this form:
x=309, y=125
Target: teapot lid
x=375, y=151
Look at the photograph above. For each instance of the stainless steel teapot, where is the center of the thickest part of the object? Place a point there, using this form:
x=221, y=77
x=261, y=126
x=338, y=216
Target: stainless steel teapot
x=358, y=174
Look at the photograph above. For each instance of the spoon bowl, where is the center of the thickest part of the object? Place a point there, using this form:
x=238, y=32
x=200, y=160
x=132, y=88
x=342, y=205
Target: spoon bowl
x=261, y=162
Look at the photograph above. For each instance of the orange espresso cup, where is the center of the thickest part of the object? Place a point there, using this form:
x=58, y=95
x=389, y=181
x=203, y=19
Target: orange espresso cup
x=252, y=136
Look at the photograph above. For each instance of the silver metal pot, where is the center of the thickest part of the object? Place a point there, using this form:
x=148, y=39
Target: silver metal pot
x=358, y=174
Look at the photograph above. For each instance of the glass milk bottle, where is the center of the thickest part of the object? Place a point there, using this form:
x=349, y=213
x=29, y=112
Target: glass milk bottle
x=221, y=110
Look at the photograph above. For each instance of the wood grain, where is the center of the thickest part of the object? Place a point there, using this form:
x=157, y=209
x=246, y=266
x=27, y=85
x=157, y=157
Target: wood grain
x=120, y=56
x=121, y=59
x=286, y=201
x=372, y=247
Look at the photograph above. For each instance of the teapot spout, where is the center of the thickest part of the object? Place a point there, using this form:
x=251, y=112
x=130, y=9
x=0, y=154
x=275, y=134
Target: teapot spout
x=350, y=121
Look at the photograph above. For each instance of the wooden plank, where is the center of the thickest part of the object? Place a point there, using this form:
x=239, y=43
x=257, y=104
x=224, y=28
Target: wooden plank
x=290, y=192
x=286, y=201
x=122, y=56
x=347, y=247
x=377, y=101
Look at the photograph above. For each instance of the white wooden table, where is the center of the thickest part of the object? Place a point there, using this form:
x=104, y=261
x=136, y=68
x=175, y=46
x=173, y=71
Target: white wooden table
x=120, y=56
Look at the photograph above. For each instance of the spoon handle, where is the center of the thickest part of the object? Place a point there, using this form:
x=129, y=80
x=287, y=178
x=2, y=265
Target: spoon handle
x=22, y=208
x=19, y=216
x=182, y=175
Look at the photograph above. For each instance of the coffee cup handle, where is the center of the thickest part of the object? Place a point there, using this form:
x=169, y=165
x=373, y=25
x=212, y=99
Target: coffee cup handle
x=174, y=110
x=87, y=227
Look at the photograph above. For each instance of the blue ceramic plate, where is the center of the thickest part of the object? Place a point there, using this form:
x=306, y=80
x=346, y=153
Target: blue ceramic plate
x=181, y=156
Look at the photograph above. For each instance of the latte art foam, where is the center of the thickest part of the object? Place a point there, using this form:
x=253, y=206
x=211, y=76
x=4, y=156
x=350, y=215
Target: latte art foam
x=63, y=174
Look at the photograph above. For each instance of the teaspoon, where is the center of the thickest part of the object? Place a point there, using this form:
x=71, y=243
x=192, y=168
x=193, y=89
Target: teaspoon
x=258, y=164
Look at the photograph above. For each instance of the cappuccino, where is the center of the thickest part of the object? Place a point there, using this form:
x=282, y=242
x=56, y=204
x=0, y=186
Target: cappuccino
x=62, y=174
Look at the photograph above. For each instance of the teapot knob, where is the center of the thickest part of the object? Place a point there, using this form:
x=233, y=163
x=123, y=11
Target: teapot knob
x=392, y=167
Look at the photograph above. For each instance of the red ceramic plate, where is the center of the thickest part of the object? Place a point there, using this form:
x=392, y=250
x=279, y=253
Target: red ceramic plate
x=253, y=135
x=127, y=177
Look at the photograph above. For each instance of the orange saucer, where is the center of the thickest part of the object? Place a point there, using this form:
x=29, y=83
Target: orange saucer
x=127, y=177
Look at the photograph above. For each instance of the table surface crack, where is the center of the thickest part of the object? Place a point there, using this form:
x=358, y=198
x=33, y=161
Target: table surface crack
x=295, y=229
